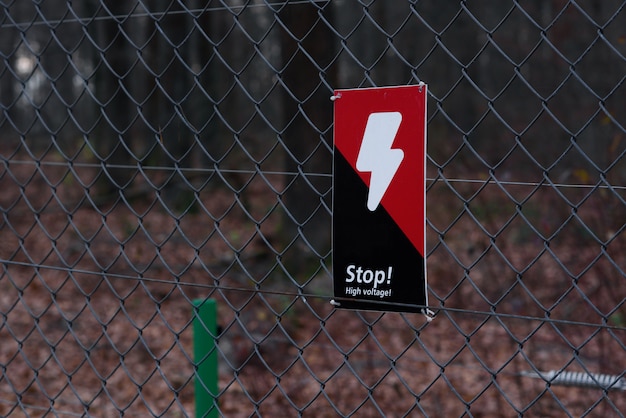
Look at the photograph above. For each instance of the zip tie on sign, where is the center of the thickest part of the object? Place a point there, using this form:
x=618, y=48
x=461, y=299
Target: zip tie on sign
x=333, y=98
x=581, y=379
x=430, y=315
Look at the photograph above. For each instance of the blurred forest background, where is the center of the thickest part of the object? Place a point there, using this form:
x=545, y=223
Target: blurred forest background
x=534, y=89
x=157, y=151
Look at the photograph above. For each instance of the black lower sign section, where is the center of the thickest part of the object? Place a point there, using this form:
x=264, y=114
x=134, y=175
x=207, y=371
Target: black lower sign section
x=375, y=266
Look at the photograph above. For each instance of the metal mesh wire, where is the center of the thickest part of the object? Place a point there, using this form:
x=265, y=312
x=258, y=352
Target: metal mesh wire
x=157, y=152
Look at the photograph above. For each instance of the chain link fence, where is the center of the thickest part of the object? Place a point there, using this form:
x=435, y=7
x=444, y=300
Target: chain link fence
x=159, y=153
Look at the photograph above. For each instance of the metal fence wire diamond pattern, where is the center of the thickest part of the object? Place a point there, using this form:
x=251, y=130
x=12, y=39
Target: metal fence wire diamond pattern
x=160, y=153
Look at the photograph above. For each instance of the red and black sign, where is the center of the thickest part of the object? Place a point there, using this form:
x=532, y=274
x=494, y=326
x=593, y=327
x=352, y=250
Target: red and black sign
x=379, y=199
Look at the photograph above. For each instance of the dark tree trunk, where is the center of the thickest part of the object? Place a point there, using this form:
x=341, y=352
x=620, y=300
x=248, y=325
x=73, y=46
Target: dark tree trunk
x=307, y=50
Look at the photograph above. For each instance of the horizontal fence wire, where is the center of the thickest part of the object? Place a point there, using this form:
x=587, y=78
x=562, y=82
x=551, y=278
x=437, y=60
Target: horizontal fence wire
x=160, y=153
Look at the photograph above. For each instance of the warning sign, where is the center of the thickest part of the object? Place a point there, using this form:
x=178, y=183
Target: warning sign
x=379, y=199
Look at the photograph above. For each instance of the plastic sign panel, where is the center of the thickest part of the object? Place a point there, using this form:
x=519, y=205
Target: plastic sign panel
x=379, y=199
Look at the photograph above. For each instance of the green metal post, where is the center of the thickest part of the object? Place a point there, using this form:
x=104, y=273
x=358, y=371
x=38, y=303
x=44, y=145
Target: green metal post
x=205, y=357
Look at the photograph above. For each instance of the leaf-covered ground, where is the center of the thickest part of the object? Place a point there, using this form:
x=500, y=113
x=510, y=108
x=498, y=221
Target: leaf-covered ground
x=96, y=306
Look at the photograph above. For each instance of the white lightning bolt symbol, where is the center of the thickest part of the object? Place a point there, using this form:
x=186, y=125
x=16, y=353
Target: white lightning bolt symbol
x=377, y=156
